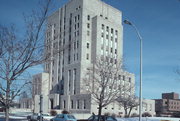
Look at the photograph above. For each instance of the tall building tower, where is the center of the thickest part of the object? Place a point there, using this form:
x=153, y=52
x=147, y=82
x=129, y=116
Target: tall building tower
x=82, y=30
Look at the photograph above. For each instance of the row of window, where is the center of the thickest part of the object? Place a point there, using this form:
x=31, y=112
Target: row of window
x=107, y=37
x=76, y=43
x=78, y=104
x=173, y=103
x=107, y=28
x=76, y=18
x=72, y=80
x=88, y=34
x=174, y=107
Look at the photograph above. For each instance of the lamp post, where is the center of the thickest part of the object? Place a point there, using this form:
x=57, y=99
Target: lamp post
x=140, y=84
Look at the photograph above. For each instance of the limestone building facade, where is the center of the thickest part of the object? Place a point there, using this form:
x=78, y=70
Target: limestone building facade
x=76, y=35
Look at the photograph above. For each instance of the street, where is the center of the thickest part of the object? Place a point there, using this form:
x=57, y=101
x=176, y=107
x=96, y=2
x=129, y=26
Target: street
x=3, y=119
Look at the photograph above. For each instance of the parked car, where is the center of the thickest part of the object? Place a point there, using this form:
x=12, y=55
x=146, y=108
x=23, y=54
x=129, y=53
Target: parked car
x=32, y=117
x=45, y=117
x=36, y=117
x=64, y=117
x=102, y=118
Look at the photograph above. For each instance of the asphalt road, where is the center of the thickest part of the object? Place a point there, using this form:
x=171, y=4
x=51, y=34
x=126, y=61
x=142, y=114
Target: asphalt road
x=2, y=119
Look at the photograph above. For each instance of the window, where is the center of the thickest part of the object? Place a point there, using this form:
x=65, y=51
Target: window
x=111, y=50
x=107, y=28
x=88, y=33
x=115, y=51
x=84, y=104
x=78, y=17
x=74, y=45
x=88, y=17
x=123, y=78
x=78, y=33
x=102, y=34
x=111, y=61
x=77, y=44
x=107, y=36
x=75, y=18
x=102, y=26
x=69, y=59
x=112, y=31
x=74, y=34
x=119, y=77
x=116, y=32
x=64, y=104
x=69, y=79
x=77, y=104
x=88, y=25
x=53, y=62
x=74, y=79
x=88, y=45
x=115, y=39
x=87, y=56
x=71, y=104
x=74, y=57
x=111, y=38
x=77, y=56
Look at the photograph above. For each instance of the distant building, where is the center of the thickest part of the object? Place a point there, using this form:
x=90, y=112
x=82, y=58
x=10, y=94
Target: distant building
x=25, y=103
x=169, y=105
x=40, y=85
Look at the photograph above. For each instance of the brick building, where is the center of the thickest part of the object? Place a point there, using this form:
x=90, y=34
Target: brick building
x=169, y=105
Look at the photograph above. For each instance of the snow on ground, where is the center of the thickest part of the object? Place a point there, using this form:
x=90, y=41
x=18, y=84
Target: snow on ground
x=149, y=119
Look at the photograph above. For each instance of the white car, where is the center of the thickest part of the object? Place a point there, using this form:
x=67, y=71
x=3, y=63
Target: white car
x=36, y=117
x=46, y=117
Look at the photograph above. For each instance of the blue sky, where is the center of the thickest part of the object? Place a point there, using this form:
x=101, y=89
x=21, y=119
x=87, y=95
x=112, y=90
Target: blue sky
x=159, y=24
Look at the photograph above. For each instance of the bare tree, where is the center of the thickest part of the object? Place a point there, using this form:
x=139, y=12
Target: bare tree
x=102, y=83
x=19, y=53
x=128, y=103
x=126, y=98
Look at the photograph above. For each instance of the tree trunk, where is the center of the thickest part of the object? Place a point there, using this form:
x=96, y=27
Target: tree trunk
x=125, y=111
x=7, y=100
x=99, y=112
x=7, y=113
x=129, y=112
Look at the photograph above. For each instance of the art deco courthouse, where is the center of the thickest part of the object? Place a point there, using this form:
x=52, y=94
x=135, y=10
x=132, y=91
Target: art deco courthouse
x=83, y=30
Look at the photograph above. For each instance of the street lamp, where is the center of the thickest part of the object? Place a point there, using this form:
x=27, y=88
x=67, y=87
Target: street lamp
x=140, y=84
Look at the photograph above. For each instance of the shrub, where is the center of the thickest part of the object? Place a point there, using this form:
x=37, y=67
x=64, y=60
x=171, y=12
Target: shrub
x=134, y=115
x=146, y=114
x=114, y=115
x=65, y=112
x=107, y=114
x=53, y=113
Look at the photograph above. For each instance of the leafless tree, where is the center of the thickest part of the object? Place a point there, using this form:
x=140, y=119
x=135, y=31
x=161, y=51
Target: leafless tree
x=19, y=53
x=102, y=83
x=126, y=98
x=128, y=103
